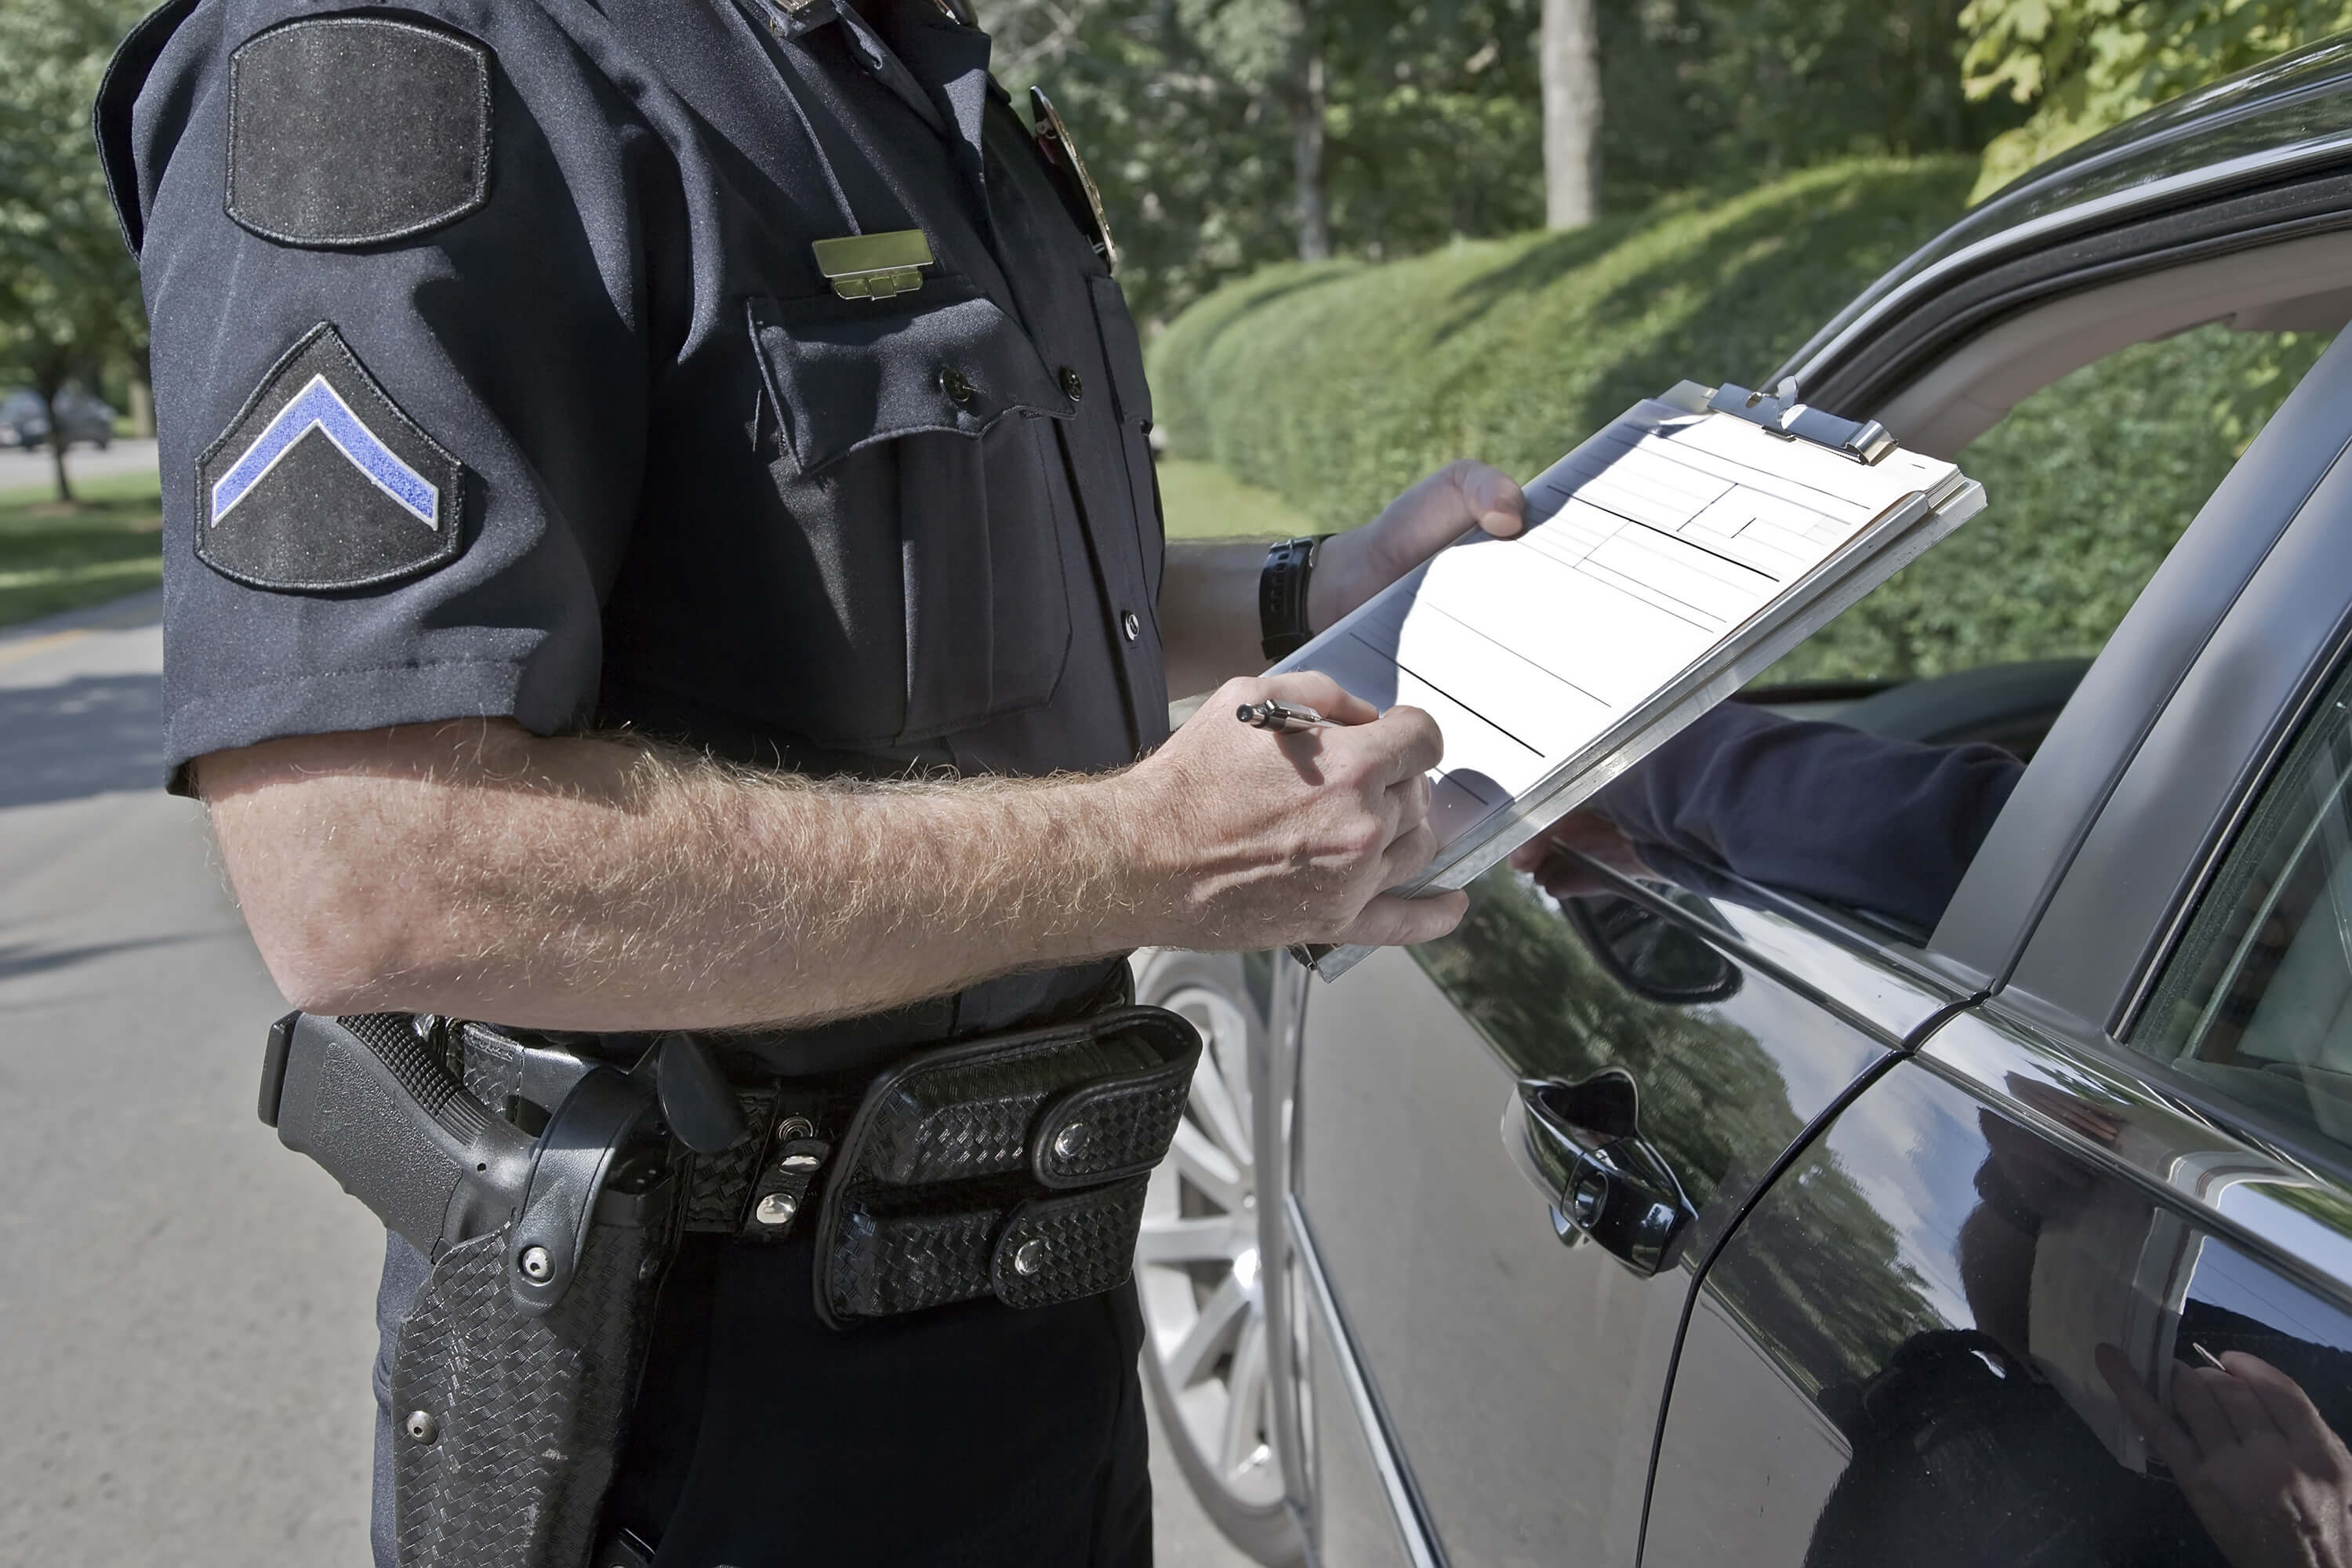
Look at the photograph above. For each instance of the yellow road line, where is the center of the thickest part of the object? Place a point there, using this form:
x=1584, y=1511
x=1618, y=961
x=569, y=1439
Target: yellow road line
x=10, y=653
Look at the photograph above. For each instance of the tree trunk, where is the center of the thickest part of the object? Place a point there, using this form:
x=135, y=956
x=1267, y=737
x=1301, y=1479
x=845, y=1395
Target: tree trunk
x=56, y=446
x=143, y=394
x=1570, y=61
x=1307, y=95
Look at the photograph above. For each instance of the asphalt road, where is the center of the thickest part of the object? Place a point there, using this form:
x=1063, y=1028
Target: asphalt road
x=184, y=1306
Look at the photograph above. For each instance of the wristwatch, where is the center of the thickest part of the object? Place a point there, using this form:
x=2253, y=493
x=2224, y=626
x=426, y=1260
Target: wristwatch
x=1281, y=595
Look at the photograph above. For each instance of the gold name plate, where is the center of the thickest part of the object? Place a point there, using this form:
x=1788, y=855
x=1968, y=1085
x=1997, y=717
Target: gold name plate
x=873, y=266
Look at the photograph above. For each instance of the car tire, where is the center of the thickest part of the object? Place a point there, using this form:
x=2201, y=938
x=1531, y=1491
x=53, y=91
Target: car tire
x=1205, y=1366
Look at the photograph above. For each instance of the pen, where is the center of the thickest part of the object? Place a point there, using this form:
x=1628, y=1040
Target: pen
x=1285, y=718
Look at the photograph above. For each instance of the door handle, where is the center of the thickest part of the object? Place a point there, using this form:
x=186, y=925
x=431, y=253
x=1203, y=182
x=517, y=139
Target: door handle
x=1581, y=1145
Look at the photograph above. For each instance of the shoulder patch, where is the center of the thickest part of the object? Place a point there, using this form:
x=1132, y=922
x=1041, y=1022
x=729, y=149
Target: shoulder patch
x=356, y=130
x=321, y=482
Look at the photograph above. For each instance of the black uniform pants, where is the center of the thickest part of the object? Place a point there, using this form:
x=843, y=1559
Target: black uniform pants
x=971, y=1436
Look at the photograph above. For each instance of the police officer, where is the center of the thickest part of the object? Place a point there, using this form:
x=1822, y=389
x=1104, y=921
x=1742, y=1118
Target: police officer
x=599, y=601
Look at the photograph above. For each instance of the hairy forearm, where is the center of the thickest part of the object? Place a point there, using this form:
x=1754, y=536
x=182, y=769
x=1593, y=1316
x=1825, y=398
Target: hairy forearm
x=477, y=870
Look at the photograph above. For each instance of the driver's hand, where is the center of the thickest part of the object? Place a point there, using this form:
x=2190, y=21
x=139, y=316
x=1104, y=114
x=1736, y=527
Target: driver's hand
x=1353, y=566
x=1552, y=856
x=2270, y=1482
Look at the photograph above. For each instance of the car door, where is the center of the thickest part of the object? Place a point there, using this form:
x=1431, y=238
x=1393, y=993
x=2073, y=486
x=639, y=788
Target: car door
x=1483, y=1373
x=1965, y=1325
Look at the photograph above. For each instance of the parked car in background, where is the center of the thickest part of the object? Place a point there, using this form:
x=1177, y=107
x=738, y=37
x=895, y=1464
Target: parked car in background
x=1943, y=1233
x=24, y=421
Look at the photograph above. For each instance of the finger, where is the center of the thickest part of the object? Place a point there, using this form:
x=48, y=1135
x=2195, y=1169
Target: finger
x=1566, y=877
x=1408, y=855
x=2164, y=1435
x=1411, y=796
x=1531, y=854
x=2290, y=1409
x=2247, y=1416
x=1313, y=689
x=1391, y=922
x=1490, y=497
x=1410, y=742
x=2197, y=1402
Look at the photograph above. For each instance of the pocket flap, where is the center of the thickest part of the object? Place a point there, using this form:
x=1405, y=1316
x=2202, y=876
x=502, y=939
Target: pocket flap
x=845, y=373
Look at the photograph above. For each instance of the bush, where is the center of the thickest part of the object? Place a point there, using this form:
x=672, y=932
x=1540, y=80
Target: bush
x=2088, y=482
x=1335, y=385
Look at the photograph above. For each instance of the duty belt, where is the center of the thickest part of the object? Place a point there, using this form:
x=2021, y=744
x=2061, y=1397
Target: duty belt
x=1011, y=1165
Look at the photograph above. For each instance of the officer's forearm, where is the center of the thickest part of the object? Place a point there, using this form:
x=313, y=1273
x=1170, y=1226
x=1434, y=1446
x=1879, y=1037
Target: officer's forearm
x=479, y=871
x=1208, y=614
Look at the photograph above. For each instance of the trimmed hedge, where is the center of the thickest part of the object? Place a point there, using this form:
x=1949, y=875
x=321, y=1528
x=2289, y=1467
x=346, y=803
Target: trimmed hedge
x=1336, y=384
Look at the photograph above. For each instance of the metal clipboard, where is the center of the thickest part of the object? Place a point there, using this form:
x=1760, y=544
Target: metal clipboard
x=1761, y=425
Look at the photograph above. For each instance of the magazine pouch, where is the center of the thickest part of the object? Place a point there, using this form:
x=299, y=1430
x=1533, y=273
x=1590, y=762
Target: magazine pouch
x=1010, y=1166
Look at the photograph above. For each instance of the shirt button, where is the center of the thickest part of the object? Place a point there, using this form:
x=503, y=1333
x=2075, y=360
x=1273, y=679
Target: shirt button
x=1072, y=387
x=1132, y=624
x=956, y=384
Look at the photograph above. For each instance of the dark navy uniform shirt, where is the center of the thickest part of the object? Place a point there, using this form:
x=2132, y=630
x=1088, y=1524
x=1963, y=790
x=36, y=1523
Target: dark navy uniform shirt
x=1833, y=813
x=598, y=443
x=496, y=376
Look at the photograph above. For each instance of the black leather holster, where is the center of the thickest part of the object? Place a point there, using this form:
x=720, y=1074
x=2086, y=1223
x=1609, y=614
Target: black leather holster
x=549, y=1189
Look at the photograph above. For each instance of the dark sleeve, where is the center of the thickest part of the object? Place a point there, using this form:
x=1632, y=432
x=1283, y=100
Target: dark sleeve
x=394, y=282
x=1818, y=809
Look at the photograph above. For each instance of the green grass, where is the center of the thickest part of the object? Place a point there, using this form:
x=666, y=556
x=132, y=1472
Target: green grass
x=1203, y=501
x=55, y=557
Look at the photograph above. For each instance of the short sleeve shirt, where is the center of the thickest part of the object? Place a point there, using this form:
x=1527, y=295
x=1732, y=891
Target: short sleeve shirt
x=497, y=375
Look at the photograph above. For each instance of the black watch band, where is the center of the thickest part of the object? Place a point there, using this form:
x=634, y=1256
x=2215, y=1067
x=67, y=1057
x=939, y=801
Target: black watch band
x=1281, y=595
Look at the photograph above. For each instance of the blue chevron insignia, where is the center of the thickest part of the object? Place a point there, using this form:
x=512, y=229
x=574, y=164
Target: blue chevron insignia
x=318, y=407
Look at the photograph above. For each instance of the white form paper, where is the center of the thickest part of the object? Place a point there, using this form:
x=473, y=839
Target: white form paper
x=1670, y=552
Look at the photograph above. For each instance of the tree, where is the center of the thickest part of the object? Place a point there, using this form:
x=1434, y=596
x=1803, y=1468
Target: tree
x=1571, y=113
x=1229, y=134
x=69, y=302
x=2084, y=65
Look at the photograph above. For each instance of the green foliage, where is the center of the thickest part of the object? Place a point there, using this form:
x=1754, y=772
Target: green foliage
x=2089, y=482
x=1181, y=111
x=2084, y=65
x=1725, y=93
x=1182, y=107
x=68, y=291
x=1335, y=385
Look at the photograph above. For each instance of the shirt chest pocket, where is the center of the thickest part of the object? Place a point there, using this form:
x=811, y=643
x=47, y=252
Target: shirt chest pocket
x=919, y=510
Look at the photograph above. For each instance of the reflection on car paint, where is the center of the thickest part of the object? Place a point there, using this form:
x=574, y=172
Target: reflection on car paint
x=1449, y=1266
x=2017, y=1355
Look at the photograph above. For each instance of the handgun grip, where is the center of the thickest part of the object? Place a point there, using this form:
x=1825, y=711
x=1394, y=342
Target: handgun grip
x=376, y=1108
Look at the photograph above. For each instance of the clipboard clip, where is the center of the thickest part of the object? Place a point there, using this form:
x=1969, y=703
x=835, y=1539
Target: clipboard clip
x=1780, y=413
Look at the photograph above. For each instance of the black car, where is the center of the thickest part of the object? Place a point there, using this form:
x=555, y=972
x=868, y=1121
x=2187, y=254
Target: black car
x=1696, y=1226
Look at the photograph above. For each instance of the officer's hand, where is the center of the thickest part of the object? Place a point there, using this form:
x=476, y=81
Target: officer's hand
x=1359, y=564
x=1251, y=839
x=2269, y=1481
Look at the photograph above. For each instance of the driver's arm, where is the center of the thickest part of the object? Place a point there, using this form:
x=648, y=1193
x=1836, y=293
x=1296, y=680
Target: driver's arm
x=1818, y=809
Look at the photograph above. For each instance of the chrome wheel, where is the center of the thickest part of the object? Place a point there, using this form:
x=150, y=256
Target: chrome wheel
x=1197, y=1270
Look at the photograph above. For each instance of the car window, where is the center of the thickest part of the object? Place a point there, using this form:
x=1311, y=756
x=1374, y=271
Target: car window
x=2089, y=482
x=2257, y=1001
